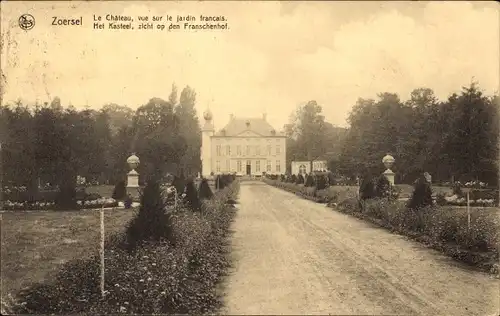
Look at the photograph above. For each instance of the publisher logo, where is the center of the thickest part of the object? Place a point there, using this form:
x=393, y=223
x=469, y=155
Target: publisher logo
x=26, y=22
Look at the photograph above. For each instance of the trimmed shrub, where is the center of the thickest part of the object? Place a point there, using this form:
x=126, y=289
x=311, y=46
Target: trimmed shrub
x=191, y=199
x=309, y=181
x=204, y=191
x=300, y=179
x=151, y=222
x=120, y=191
x=293, y=178
x=321, y=182
x=382, y=186
x=179, y=183
x=422, y=194
x=367, y=189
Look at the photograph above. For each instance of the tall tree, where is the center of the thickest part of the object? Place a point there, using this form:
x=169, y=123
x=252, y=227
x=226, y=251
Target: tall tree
x=156, y=137
x=190, y=130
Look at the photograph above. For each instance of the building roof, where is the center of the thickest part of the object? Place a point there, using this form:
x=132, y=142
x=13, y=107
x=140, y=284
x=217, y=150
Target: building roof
x=259, y=126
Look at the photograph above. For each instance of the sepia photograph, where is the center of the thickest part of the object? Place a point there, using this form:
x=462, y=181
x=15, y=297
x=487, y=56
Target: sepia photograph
x=249, y=158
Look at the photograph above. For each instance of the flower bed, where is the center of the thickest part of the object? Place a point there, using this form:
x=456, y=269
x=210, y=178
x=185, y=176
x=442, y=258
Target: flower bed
x=155, y=279
x=82, y=204
x=441, y=227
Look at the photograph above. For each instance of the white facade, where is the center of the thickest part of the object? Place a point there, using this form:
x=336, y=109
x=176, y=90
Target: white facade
x=305, y=166
x=245, y=147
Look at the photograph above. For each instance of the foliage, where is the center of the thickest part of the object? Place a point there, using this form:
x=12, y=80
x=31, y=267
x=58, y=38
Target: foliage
x=321, y=182
x=300, y=179
x=422, y=195
x=205, y=193
x=189, y=128
x=152, y=222
x=309, y=136
x=367, y=189
x=155, y=279
x=179, y=183
x=120, y=191
x=309, y=181
x=453, y=138
x=222, y=181
x=53, y=144
x=191, y=198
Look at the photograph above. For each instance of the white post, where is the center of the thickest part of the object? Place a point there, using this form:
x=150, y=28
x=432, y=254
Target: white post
x=468, y=211
x=102, y=251
x=175, y=199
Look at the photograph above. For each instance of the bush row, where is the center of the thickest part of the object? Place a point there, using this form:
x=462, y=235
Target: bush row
x=155, y=278
x=441, y=227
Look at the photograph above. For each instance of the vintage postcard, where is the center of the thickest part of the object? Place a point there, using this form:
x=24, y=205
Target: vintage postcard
x=249, y=157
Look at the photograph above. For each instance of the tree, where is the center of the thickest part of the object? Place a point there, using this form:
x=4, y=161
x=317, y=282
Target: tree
x=118, y=116
x=158, y=129
x=172, y=98
x=306, y=131
x=189, y=129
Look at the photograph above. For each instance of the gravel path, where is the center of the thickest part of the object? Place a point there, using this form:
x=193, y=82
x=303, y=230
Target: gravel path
x=293, y=256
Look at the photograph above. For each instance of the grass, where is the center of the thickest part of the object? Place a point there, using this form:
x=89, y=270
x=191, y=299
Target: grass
x=102, y=190
x=35, y=245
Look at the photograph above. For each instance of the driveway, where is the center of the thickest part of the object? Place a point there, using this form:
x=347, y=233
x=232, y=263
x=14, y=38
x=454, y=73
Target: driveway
x=293, y=256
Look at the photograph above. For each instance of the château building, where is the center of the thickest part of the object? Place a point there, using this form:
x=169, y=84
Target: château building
x=245, y=146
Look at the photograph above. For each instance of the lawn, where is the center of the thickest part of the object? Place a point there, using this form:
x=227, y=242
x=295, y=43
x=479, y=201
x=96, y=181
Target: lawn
x=103, y=190
x=35, y=245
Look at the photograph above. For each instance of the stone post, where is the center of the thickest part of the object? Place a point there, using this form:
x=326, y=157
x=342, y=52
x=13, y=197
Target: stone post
x=133, y=176
x=388, y=161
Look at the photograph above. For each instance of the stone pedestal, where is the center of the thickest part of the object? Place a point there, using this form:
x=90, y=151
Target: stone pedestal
x=390, y=176
x=133, y=179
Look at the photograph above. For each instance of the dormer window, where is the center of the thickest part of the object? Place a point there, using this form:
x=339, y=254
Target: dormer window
x=273, y=132
x=223, y=132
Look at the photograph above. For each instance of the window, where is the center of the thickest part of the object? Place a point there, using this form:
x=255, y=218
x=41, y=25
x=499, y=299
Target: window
x=248, y=150
x=228, y=165
x=218, y=150
x=257, y=166
x=257, y=150
x=302, y=169
x=217, y=165
x=278, y=167
x=268, y=150
x=228, y=150
x=238, y=150
x=277, y=149
x=268, y=166
x=239, y=165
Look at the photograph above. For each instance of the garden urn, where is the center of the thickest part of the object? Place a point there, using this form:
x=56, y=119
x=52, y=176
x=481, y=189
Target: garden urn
x=388, y=161
x=133, y=176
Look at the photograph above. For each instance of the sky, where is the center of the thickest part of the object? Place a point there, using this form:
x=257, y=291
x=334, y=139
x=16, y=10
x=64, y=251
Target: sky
x=274, y=57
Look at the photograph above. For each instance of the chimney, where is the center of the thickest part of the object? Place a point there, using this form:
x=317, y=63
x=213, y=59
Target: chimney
x=231, y=116
x=264, y=116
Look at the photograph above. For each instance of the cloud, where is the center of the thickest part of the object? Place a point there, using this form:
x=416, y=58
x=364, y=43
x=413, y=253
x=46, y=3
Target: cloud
x=274, y=56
